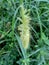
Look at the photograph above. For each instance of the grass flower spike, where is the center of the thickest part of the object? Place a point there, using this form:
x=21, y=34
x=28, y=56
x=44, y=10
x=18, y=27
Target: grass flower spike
x=24, y=27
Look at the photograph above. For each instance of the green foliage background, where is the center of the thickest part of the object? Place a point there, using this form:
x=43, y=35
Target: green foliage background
x=11, y=50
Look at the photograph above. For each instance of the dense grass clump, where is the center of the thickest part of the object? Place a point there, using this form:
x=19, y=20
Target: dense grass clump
x=24, y=32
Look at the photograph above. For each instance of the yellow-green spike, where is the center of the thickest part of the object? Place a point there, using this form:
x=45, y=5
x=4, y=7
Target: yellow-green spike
x=24, y=27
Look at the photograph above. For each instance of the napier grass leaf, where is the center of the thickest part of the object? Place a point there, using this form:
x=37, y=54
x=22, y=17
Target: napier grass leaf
x=45, y=39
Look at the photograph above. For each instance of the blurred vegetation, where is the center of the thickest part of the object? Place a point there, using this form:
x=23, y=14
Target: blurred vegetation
x=11, y=49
